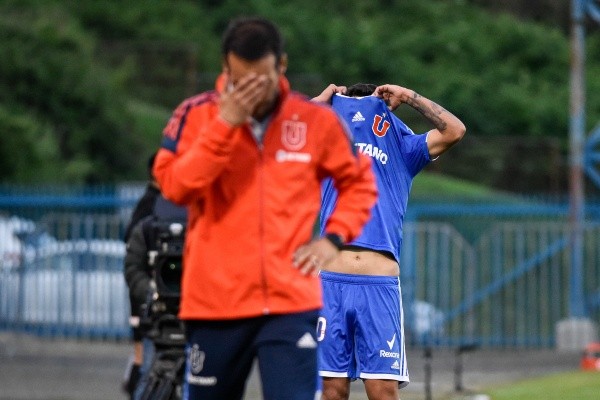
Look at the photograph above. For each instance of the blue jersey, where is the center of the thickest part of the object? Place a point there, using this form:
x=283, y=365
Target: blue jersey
x=397, y=156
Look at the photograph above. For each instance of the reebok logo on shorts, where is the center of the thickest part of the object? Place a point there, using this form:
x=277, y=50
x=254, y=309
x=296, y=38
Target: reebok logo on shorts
x=306, y=342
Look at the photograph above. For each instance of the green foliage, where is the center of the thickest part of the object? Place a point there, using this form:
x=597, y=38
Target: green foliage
x=95, y=77
x=66, y=110
x=28, y=147
x=149, y=120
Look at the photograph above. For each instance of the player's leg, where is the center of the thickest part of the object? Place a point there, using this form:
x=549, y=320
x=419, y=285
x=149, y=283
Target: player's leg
x=287, y=356
x=380, y=337
x=219, y=358
x=381, y=389
x=336, y=389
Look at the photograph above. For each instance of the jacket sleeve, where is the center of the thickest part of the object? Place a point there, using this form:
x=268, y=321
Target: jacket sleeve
x=353, y=178
x=203, y=150
x=137, y=272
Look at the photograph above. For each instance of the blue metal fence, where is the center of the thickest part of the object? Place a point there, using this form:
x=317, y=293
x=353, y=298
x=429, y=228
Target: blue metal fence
x=486, y=274
x=61, y=260
x=495, y=274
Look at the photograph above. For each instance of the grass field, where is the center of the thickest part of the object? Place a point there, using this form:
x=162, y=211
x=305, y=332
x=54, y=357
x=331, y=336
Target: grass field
x=578, y=385
x=432, y=186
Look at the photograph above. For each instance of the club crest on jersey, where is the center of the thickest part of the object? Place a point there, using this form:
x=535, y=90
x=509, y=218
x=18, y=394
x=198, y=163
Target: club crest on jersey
x=380, y=129
x=293, y=135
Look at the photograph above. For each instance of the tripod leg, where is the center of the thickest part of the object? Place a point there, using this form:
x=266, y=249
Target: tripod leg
x=150, y=388
x=152, y=381
x=163, y=392
x=165, y=379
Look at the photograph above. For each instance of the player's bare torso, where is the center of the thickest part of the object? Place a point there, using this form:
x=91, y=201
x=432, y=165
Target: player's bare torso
x=361, y=261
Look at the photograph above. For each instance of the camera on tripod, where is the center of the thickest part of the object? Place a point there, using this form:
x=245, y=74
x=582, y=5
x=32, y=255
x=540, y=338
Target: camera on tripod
x=164, y=235
x=165, y=259
x=166, y=262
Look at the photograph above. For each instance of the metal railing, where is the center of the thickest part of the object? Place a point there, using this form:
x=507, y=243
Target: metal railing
x=490, y=275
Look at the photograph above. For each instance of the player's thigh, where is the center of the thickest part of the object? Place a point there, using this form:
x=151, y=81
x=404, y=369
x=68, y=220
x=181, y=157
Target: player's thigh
x=334, y=329
x=287, y=356
x=380, y=336
x=219, y=358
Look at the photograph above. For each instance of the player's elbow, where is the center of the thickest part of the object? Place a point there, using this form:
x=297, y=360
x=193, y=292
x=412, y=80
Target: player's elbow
x=458, y=132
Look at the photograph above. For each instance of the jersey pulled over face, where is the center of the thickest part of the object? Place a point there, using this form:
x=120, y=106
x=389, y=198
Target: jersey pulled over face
x=397, y=156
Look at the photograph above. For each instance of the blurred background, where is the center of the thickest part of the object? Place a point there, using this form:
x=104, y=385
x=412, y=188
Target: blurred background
x=501, y=238
x=87, y=86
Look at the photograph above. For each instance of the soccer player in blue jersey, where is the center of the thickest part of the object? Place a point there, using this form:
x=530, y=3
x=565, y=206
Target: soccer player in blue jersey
x=361, y=326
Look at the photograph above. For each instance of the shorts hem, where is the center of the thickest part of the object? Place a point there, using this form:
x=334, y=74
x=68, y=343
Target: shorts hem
x=331, y=374
x=402, y=379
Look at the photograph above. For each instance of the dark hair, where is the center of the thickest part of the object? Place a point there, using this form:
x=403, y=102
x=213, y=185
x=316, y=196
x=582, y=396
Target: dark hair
x=252, y=38
x=361, y=89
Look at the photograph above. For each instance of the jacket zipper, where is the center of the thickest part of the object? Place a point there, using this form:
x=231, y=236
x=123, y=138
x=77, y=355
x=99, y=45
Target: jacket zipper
x=261, y=225
x=261, y=229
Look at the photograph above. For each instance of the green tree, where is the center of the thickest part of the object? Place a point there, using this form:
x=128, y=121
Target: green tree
x=65, y=112
x=90, y=83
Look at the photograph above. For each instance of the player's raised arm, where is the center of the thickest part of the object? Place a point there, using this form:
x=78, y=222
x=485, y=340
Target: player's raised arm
x=328, y=92
x=448, y=128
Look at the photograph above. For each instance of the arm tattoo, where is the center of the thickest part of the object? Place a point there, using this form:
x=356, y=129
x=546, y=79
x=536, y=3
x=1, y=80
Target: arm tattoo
x=430, y=111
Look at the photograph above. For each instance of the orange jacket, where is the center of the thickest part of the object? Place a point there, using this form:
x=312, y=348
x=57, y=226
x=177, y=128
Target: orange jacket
x=251, y=206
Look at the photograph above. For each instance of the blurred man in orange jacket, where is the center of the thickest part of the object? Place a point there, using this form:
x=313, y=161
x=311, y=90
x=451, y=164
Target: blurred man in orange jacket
x=248, y=160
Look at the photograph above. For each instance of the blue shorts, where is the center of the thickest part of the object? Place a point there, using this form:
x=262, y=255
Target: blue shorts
x=360, y=331
x=220, y=355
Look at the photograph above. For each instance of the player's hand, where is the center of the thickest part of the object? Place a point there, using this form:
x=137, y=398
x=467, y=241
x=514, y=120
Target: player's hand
x=312, y=257
x=393, y=95
x=327, y=94
x=238, y=102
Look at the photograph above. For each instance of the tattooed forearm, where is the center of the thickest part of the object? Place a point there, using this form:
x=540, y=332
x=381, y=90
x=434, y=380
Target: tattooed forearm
x=431, y=111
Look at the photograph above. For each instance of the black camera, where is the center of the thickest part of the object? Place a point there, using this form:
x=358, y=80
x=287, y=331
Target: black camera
x=165, y=237
x=166, y=262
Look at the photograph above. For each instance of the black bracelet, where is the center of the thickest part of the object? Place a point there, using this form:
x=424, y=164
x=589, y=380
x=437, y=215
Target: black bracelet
x=335, y=240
